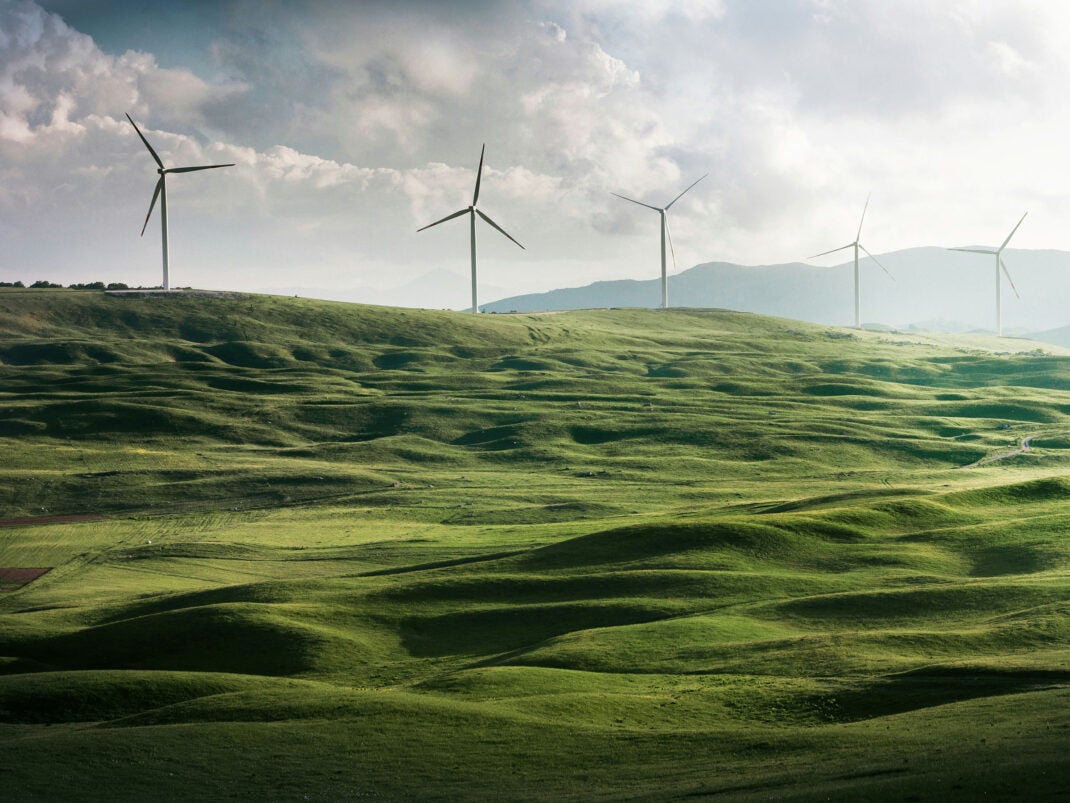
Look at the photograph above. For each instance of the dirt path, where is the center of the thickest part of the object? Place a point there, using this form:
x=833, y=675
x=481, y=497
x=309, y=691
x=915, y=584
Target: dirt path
x=14, y=579
x=1023, y=447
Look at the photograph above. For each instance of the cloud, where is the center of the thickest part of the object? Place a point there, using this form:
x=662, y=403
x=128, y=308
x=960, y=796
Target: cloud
x=47, y=65
x=351, y=125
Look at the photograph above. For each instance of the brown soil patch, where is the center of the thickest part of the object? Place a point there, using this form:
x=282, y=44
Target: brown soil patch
x=28, y=520
x=12, y=579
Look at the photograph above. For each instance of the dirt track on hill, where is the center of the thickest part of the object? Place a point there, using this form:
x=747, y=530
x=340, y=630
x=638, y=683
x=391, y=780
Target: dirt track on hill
x=1022, y=449
x=17, y=578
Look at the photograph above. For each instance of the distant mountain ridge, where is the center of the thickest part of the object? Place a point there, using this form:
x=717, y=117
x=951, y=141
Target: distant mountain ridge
x=932, y=288
x=1058, y=337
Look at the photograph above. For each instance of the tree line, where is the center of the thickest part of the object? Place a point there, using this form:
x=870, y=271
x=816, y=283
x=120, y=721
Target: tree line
x=44, y=284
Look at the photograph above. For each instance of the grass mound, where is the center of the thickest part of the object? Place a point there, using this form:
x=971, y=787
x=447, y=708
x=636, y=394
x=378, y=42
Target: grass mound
x=231, y=638
x=92, y=696
x=655, y=546
x=1048, y=489
x=304, y=549
x=58, y=353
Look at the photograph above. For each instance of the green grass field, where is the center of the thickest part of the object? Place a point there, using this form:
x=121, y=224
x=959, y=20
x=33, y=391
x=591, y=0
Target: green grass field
x=335, y=552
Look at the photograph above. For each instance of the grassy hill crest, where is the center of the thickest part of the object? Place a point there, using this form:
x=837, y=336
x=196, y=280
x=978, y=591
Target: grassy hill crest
x=617, y=553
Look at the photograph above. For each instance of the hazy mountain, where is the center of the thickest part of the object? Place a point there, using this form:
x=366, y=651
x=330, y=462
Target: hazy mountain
x=932, y=289
x=1059, y=337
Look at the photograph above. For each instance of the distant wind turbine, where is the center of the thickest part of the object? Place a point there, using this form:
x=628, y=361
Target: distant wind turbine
x=161, y=193
x=857, y=244
x=661, y=210
x=472, y=211
x=998, y=254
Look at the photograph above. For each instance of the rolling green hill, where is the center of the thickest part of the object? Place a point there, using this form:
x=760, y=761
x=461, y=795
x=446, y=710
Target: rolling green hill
x=309, y=550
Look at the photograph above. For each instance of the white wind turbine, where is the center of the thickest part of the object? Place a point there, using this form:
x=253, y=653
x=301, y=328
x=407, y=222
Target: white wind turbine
x=661, y=210
x=472, y=211
x=857, y=244
x=998, y=254
x=161, y=193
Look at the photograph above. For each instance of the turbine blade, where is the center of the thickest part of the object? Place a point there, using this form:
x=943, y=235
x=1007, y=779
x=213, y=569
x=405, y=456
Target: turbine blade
x=152, y=204
x=672, y=250
x=1007, y=273
x=448, y=217
x=479, y=175
x=648, y=206
x=147, y=145
x=877, y=261
x=681, y=195
x=833, y=251
x=1012, y=233
x=974, y=250
x=499, y=228
x=860, y=222
x=192, y=169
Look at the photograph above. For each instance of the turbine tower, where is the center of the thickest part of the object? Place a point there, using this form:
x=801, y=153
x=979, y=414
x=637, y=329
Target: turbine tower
x=856, y=245
x=472, y=212
x=998, y=253
x=161, y=193
x=661, y=210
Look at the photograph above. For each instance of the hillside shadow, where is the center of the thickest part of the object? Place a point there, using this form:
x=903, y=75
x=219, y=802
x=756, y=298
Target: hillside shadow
x=503, y=629
x=931, y=687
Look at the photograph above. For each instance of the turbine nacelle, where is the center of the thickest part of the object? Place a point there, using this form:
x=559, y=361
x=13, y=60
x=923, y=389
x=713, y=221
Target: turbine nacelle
x=1000, y=266
x=473, y=211
x=998, y=254
x=665, y=235
x=856, y=244
x=160, y=192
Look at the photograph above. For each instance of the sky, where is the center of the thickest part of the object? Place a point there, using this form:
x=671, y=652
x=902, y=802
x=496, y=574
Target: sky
x=352, y=124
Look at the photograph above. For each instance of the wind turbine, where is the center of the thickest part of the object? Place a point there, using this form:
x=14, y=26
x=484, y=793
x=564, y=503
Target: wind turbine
x=661, y=210
x=998, y=253
x=472, y=211
x=857, y=244
x=161, y=193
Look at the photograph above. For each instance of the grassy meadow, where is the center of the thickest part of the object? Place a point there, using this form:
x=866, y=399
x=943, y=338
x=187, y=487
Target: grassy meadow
x=304, y=550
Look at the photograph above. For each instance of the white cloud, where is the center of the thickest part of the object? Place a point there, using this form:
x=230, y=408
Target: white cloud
x=439, y=65
x=46, y=63
x=353, y=124
x=1007, y=60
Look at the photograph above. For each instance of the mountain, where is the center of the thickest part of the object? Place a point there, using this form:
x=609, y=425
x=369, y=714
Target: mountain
x=1059, y=336
x=932, y=288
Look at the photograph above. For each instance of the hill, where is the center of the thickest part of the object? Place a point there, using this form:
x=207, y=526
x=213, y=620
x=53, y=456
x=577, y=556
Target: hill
x=1057, y=337
x=310, y=549
x=932, y=289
